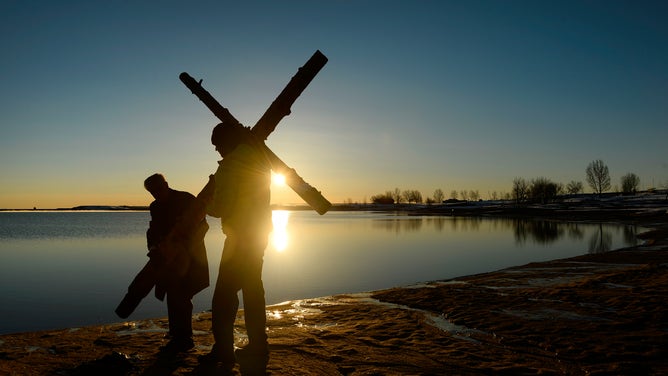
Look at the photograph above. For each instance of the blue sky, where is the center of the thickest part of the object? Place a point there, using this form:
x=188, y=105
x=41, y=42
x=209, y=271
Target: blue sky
x=456, y=95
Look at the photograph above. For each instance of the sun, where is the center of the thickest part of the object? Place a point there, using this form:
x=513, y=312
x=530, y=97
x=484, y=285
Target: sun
x=278, y=179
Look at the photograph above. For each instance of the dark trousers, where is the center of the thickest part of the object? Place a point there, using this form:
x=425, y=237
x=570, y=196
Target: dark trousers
x=240, y=269
x=179, y=311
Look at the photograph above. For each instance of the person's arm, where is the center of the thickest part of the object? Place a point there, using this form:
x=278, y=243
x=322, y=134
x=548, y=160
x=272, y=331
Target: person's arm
x=225, y=194
x=152, y=235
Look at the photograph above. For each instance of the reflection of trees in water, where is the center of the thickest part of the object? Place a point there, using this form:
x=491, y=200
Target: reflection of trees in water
x=414, y=224
x=600, y=241
x=397, y=225
x=458, y=224
x=630, y=234
x=464, y=224
x=525, y=230
x=575, y=231
x=543, y=232
x=438, y=222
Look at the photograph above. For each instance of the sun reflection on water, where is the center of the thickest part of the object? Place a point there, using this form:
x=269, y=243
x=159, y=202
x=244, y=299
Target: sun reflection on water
x=279, y=237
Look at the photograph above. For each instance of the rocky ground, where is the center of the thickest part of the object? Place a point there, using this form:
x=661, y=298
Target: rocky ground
x=597, y=314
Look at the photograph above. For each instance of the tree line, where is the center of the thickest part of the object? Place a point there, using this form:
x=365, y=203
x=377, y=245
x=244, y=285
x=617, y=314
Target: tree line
x=540, y=190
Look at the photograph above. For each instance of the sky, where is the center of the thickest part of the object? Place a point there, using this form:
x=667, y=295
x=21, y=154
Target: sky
x=416, y=95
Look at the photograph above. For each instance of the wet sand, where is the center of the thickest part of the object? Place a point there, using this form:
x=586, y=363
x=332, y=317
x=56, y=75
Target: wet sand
x=597, y=314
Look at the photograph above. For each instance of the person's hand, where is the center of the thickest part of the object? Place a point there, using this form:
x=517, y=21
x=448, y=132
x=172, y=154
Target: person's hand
x=207, y=192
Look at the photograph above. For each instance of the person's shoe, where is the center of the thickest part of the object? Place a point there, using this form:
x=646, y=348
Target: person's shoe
x=218, y=355
x=177, y=346
x=253, y=350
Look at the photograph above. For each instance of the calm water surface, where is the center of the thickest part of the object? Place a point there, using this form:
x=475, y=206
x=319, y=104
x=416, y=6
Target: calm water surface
x=68, y=269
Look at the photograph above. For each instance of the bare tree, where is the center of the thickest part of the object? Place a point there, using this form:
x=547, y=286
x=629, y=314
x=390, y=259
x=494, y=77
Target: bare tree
x=417, y=196
x=412, y=195
x=520, y=190
x=438, y=195
x=574, y=187
x=598, y=176
x=465, y=194
x=396, y=195
x=560, y=189
x=474, y=195
x=453, y=194
x=630, y=183
x=406, y=196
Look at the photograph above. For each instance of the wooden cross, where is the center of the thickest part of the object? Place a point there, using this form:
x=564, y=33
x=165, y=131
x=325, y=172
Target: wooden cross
x=166, y=260
x=268, y=122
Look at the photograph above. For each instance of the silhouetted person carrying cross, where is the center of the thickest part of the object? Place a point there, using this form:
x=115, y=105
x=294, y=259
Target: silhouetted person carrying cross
x=242, y=202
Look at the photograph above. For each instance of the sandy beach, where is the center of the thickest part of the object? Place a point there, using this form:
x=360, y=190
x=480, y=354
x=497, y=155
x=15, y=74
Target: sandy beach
x=596, y=314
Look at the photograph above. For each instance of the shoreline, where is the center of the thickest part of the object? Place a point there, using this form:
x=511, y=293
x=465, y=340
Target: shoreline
x=589, y=314
x=584, y=203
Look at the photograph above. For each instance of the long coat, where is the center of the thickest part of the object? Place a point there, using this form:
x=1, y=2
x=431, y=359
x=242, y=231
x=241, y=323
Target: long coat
x=189, y=267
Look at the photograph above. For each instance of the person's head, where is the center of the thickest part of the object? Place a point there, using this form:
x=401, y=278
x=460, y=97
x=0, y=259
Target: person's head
x=157, y=186
x=227, y=136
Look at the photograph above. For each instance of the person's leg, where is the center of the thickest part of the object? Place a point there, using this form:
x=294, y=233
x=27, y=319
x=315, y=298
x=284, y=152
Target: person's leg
x=254, y=306
x=254, y=299
x=179, y=311
x=224, y=307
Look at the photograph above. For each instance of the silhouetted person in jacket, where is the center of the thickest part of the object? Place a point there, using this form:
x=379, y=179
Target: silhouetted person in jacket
x=242, y=202
x=177, y=247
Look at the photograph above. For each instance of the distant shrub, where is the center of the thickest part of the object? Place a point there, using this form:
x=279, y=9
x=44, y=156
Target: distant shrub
x=382, y=199
x=630, y=183
x=543, y=190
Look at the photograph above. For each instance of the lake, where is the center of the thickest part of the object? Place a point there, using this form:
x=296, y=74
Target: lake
x=66, y=269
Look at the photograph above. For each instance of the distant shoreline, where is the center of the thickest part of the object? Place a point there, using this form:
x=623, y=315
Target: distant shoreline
x=84, y=208
x=643, y=207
